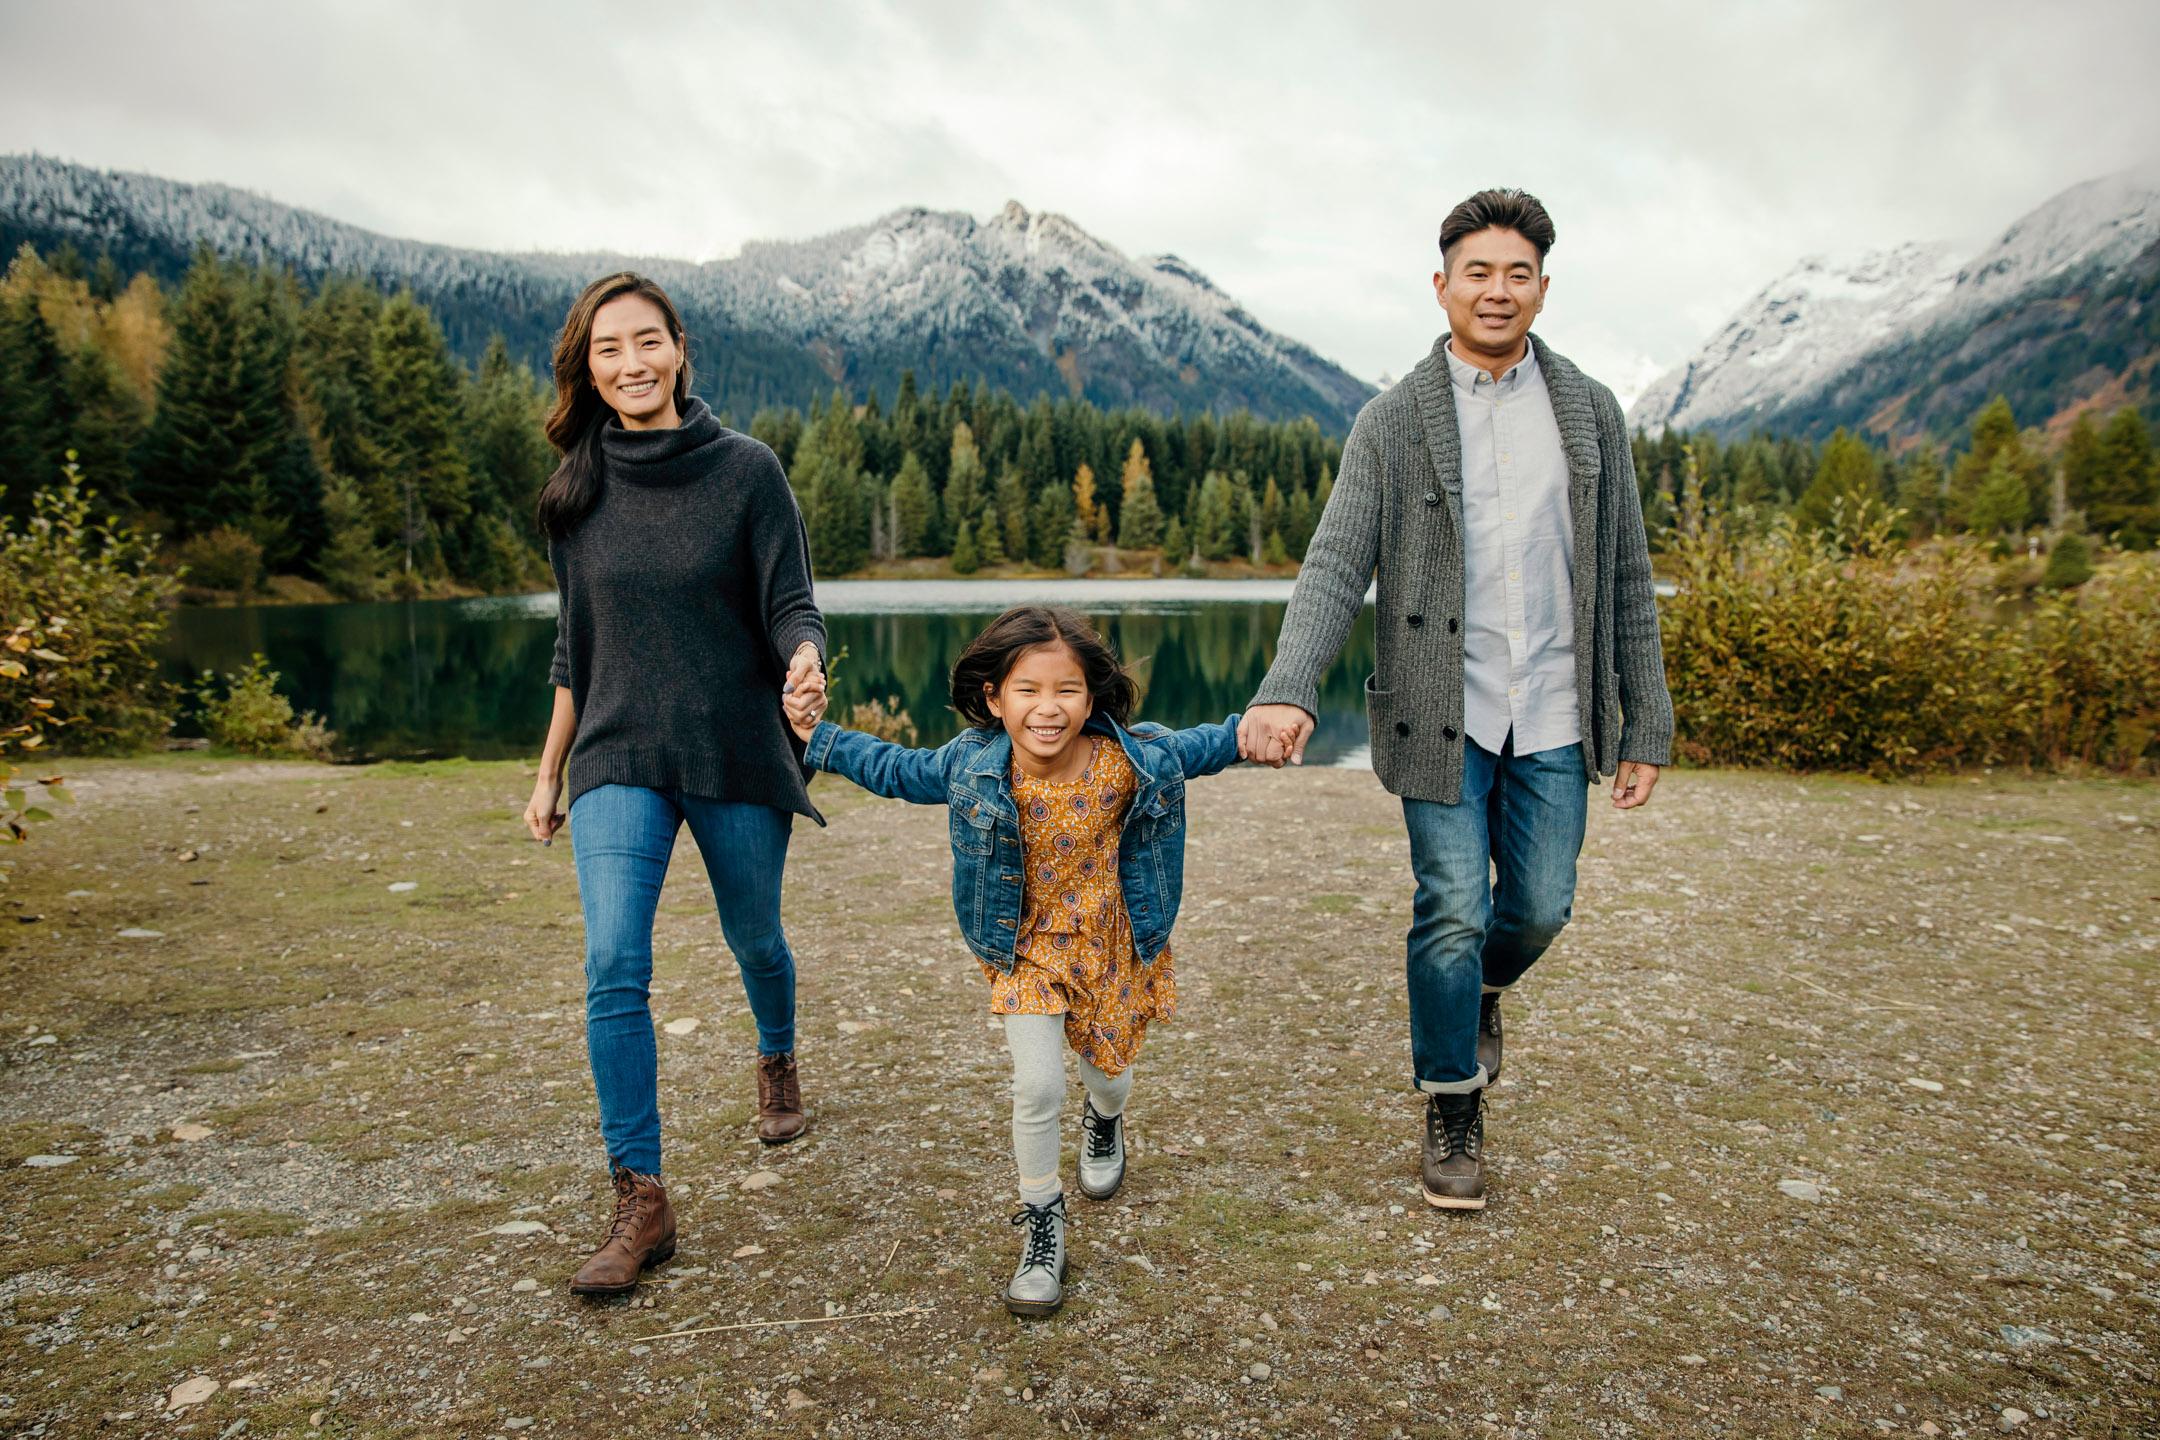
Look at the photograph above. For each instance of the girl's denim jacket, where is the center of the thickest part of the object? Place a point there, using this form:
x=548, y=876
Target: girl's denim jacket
x=971, y=776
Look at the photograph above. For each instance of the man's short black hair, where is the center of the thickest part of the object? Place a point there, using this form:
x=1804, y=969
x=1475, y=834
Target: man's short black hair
x=1515, y=210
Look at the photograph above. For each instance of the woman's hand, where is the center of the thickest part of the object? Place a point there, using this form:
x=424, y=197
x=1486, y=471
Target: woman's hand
x=803, y=696
x=541, y=816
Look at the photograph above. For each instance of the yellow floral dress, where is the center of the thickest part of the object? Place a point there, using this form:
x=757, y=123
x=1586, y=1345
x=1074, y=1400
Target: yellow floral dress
x=1075, y=954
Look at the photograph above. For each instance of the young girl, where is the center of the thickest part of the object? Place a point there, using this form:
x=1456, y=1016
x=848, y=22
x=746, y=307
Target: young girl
x=1068, y=837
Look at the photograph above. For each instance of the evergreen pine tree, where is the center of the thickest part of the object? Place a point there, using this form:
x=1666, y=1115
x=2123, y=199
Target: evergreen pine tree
x=2069, y=564
x=1272, y=551
x=1142, y=524
x=222, y=444
x=963, y=495
x=1999, y=506
x=508, y=456
x=964, y=559
x=1215, y=534
x=1298, y=523
x=1920, y=489
x=2126, y=493
x=1050, y=525
x=989, y=537
x=1012, y=512
x=912, y=506
x=1176, y=547
x=839, y=519
x=2081, y=461
x=1848, y=472
x=1751, y=484
x=351, y=563
x=1995, y=435
x=37, y=403
x=419, y=410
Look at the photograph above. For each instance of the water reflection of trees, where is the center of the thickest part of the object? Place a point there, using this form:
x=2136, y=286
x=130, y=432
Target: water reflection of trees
x=429, y=678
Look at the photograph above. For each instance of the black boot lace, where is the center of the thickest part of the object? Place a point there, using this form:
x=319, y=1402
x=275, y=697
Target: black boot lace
x=1457, y=1123
x=1101, y=1132
x=1040, y=1221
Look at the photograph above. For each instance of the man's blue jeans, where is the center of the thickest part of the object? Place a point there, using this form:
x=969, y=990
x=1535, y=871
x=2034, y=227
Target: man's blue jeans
x=1520, y=822
x=623, y=836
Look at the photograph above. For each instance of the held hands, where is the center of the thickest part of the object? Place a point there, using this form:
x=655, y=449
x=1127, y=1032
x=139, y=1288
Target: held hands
x=802, y=695
x=1632, y=784
x=1273, y=735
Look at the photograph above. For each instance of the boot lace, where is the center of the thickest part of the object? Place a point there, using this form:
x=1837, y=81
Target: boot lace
x=1102, y=1134
x=1457, y=1127
x=632, y=1204
x=1041, y=1251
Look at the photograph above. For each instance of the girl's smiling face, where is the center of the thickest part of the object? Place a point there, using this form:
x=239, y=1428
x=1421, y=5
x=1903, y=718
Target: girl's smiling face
x=1043, y=703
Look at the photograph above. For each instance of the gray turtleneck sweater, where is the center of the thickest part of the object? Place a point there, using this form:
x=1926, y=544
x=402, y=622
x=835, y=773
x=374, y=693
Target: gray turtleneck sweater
x=684, y=594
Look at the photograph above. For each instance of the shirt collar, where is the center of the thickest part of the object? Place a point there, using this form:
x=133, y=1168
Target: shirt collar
x=1467, y=375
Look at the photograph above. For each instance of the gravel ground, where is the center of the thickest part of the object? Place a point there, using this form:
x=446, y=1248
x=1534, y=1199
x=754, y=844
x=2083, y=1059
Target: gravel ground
x=1832, y=1114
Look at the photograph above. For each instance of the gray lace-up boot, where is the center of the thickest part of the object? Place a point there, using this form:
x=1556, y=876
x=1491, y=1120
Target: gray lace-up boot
x=1037, y=1288
x=1102, y=1153
x=1488, y=1035
x=1454, y=1161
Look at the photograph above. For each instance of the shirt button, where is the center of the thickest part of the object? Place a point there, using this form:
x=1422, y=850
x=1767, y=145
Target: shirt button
x=1512, y=575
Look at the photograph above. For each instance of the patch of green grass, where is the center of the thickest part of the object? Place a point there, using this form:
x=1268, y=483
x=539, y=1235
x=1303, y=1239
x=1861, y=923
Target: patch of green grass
x=247, y=1224
x=212, y=1067
x=1332, y=904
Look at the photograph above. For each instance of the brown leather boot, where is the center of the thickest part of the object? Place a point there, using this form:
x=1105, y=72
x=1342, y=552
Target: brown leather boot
x=642, y=1236
x=779, y=1100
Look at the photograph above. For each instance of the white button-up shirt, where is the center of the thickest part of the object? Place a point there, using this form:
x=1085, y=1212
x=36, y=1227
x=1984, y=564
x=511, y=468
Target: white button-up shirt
x=1519, y=554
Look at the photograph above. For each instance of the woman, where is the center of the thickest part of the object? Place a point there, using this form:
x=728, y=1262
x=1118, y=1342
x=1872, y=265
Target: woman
x=684, y=575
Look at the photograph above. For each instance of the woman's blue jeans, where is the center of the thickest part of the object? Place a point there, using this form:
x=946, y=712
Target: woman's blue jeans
x=622, y=836
x=1495, y=885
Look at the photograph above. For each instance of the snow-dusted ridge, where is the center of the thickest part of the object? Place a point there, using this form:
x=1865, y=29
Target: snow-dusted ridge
x=1027, y=299
x=1806, y=329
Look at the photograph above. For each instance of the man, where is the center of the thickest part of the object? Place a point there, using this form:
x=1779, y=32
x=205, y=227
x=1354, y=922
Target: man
x=1517, y=648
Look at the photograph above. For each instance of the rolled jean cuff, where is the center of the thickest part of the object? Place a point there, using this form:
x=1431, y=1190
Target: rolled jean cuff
x=1456, y=1087
x=1497, y=989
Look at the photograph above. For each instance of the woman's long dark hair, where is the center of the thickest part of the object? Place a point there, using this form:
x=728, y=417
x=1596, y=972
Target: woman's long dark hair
x=574, y=420
x=990, y=657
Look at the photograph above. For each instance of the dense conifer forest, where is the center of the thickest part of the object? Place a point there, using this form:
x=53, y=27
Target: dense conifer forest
x=262, y=427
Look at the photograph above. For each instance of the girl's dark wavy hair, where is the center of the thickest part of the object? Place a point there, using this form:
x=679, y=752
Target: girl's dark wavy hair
x=990, y=657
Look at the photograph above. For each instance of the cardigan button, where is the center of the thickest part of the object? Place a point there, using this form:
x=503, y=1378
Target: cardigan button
x=1402, y=727
x=1415, y=621
x=1447, y=732
x=1432, y=497
x=1451, y=625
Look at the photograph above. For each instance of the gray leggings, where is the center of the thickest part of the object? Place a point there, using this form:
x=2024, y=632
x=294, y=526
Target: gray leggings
x=1037, y=1043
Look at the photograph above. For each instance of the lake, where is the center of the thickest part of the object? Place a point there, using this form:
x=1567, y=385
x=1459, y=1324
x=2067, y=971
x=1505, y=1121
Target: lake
x=410, y=679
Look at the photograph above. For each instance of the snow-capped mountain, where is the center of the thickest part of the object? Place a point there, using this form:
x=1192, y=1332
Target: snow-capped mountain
x=1029, y=301
x=1834, y=343
x=1798, y=332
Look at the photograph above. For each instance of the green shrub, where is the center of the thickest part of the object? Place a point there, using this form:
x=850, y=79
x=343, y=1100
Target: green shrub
x=223, y=559
x=252, y=716
x=2087, y=682
x=2069, y=564
x=1807, y=651
x=96, y=582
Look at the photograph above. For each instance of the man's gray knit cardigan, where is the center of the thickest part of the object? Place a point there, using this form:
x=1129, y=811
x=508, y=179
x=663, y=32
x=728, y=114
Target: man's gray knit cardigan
x=1397, y=509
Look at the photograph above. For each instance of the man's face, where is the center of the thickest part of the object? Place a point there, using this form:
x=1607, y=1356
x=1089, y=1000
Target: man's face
x=1492, y=288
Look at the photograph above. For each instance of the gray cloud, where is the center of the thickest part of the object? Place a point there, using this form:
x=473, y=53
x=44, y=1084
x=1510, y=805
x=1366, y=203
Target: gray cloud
x=1301, y=154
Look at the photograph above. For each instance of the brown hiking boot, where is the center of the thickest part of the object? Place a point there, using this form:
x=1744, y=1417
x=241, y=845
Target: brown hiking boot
x=779, y=1100
x=642, y=1236
x=1454, y=1162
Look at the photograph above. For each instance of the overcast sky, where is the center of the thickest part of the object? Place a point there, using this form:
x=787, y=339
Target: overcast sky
x=1300, y=154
